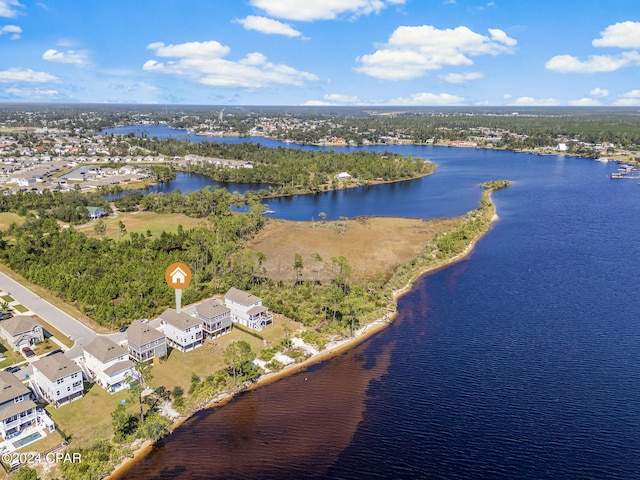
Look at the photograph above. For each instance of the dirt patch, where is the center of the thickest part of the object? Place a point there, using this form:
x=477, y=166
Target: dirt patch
x=372, y=245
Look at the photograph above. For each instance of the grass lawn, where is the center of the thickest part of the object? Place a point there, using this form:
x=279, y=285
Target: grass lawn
x=20, y=308
x=12, y=356
x=7, y=218
x=89, y=418
x=140, y=222
x=203, y=361
x=7, y=298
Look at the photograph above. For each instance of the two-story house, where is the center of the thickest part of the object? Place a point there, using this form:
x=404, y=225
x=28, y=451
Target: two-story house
x=17, y=409
x=145, y=343
x=21, y=331
x=108, y=363
x=183, y=331
x=247, y=309
x=58, y=378
x=215, y=317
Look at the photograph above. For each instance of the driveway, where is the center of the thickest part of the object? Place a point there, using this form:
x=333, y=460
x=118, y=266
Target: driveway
x=68, y=325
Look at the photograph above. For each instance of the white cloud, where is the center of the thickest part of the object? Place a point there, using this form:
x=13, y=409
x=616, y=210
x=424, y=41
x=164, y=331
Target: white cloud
x=461, y=77
x=310, y=10
x=203, y=62
x=25, y=75
x=599, y=92
x=595, y=63
x=339, y=98
x=268, y=26
x=629, y=99
x=426, y=98
x=13, y=31
x=317, y=103
x=585, y=102
x=412, y=51
x=7, y=8
x=530, y=101
x=70, y=56
x=621, y=35
x=32, y=93
x=507, y=96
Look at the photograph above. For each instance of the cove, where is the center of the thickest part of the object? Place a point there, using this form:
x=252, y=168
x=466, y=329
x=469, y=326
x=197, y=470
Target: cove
x=518, y=362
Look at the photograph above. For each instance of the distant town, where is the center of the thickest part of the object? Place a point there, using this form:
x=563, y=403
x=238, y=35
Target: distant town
x=59, y=148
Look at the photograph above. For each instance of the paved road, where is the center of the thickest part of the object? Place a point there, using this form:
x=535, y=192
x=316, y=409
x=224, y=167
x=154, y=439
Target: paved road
x=68, y=325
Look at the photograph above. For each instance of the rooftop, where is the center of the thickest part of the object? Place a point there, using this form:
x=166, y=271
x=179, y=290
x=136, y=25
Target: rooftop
x=55, y=367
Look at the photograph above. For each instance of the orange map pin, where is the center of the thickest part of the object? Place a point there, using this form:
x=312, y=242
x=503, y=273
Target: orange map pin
x=178, y=275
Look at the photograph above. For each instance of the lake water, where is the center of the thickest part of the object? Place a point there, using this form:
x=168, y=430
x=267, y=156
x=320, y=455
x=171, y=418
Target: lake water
x=519, y=362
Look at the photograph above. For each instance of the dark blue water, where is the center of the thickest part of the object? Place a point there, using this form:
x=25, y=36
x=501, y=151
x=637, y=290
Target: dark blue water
x=519, y=362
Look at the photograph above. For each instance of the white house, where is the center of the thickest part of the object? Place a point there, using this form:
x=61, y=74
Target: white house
x=562, y=147
x=58, y=378
x=17, y=410
x=215, y=317
x=343, y=176
x=247, y=309
x=21, y=331
x=183, y=331
x=108, y=363
x=145, y=342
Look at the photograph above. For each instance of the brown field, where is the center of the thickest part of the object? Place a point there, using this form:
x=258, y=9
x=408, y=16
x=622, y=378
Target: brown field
x=372, y=245
x=7, y=218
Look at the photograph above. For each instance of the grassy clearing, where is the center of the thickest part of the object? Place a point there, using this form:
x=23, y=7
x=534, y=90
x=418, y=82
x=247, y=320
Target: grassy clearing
x=140, y=222
x=52, y=440
x=373, y=245
x=7, y=218
x=7, y=298
x=89, y=418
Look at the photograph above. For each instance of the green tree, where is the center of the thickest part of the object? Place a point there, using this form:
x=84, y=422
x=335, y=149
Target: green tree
x=123, y=228
x=140, y=376
x=124, y=424
x=100, y=228
x=237, y=354
x=298, y=265
x=26, y=473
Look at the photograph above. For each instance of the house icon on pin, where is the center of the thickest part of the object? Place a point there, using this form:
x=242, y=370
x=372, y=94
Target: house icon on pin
x=178, y=276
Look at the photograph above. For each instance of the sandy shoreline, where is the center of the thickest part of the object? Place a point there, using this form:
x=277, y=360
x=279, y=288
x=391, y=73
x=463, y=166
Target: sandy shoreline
x=361, y=335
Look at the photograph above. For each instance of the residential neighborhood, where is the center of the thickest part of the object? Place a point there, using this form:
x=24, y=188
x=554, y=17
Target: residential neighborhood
x=58, y=376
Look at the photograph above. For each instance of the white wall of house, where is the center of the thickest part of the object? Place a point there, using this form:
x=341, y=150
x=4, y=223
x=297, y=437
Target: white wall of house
x=111, y=382
x=184, y=339
x=58, y=390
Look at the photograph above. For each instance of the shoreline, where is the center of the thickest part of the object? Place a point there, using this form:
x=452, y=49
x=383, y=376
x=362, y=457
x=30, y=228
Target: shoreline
x=361, y=335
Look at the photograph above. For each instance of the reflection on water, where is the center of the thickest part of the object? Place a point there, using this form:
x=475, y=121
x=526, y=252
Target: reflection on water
x=295, y=428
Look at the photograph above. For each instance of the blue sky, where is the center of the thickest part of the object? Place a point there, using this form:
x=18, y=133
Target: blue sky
x=321, y=52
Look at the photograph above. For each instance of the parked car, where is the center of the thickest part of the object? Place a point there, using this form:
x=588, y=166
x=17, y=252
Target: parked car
x=53, y=352
x=12, y=369
x=124, y=328
x=28, y=352
x=5, y=315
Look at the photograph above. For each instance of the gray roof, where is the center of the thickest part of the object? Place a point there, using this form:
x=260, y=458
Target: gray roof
x=105, y=349
x=255, y=310
x=140, y=333
x=179, y=320
x=118, y=367
x=19, y=324
x=211, y=308
x=10, y=387
x=56, y=366
x=243, y=298
x=16, y=409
